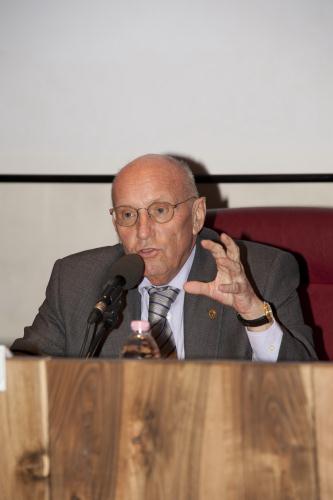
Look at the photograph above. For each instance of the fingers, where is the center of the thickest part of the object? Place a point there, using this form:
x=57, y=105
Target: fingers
x=216, y=249
x=229, y=248
x=230, y=288
x=227, y=257
x=229, y=279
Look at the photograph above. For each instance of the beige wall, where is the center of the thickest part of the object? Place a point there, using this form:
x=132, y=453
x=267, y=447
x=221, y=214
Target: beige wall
x=42, y=222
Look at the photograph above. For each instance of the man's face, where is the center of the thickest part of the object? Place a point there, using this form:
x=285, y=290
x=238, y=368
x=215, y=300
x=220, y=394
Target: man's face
x=163, y=247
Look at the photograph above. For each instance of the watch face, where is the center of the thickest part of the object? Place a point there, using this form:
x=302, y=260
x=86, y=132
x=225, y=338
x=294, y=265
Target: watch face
x=268, y=311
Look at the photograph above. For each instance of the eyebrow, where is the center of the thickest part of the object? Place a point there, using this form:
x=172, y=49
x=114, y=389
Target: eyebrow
x=148, y=204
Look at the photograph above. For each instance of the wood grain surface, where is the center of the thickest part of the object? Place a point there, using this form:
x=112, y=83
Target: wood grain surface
x=259, y=441
x=166, y=430
x=187, y=431
x=85, y=412
x=24, y=459
x=323, y=390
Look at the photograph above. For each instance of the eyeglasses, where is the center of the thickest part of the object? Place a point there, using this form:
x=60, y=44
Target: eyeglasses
x=159, y=211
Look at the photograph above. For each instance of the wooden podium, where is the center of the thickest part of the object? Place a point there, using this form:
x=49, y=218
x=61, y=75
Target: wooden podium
x=165, y=430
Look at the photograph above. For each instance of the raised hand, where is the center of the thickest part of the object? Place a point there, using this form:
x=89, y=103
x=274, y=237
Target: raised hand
x=231, y=286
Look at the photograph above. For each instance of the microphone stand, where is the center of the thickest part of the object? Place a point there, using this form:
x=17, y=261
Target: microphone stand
x=110, y=319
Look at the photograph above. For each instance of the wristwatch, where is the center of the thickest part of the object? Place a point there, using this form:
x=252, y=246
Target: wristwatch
x=263, y=320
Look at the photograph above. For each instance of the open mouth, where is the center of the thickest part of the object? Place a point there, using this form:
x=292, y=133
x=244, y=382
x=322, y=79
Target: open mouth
x=148, y=252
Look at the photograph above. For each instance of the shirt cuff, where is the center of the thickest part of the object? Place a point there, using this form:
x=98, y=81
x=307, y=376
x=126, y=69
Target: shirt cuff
x=266, y=345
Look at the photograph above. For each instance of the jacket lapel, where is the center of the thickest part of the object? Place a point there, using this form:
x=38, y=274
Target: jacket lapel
x=211, y=330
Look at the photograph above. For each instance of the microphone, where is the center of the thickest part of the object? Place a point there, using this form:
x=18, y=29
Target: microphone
x=126, y=273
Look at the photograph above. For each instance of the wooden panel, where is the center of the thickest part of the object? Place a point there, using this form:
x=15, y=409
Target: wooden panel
x=24, y=461
x=84, y=403
x=202, y=431
x=164, y=412
x=323, y=385
x=276, y=402
x=191, y=431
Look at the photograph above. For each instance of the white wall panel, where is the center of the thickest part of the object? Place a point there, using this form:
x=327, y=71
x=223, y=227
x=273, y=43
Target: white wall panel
x=245, y=87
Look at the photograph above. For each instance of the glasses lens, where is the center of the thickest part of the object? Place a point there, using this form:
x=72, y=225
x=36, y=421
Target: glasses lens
x=125, y=216
x=161, y=211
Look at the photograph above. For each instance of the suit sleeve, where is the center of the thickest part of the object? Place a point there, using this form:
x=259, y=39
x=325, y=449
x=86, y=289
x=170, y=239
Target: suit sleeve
x=281, y=291
x=46, y=336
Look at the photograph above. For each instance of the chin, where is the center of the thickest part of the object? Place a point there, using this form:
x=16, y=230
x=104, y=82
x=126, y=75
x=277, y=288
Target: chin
x=157, y=278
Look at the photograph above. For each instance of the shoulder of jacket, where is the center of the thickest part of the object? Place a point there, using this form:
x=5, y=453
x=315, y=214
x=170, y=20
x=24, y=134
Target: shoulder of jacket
x=101, y=254
x=256, y=248
x=250, y=247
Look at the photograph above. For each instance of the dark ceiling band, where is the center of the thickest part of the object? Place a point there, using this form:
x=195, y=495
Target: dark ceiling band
x=200, y=179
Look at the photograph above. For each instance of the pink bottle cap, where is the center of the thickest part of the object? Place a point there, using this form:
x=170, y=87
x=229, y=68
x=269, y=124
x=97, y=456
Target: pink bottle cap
x=140, y=326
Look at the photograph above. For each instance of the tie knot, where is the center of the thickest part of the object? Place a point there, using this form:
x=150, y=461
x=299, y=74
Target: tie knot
x=164, y=295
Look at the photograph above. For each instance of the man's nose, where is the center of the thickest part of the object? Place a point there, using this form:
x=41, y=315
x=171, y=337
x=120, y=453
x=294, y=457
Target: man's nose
x=143, y=224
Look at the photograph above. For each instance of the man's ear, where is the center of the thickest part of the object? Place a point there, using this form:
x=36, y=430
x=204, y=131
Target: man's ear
x=198, y=214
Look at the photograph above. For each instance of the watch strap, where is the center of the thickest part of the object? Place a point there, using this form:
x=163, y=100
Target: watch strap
x=262, y=320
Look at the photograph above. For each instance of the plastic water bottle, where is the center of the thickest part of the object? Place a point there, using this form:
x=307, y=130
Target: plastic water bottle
x=140, y=344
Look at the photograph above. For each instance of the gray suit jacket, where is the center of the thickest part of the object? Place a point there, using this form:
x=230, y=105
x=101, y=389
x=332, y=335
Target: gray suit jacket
x=77, y=281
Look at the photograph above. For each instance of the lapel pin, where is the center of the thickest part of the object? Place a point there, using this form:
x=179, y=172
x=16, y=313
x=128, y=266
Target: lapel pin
x=212, y=314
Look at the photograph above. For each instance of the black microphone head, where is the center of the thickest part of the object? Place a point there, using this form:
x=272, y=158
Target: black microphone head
x=130, y=267
x=125, y=273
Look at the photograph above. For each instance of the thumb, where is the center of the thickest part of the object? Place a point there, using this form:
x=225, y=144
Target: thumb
x=197, y=288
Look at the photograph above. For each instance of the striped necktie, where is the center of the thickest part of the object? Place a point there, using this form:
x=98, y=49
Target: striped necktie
x=160, y=300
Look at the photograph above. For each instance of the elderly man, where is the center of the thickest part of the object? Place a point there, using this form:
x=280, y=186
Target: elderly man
x=213, y=308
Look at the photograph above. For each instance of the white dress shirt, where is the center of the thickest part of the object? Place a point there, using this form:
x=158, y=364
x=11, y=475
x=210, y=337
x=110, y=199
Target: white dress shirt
x=265, y=345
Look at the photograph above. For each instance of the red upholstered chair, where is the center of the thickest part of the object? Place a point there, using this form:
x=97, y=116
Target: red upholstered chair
x=307, y=232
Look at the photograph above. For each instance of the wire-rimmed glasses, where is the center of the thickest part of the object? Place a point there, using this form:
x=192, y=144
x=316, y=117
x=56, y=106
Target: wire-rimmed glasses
x=158, y=211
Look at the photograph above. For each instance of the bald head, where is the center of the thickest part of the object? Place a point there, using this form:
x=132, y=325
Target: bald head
x=161, y=166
